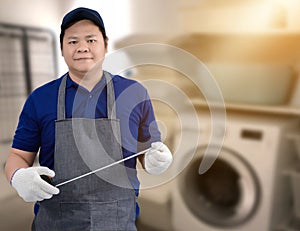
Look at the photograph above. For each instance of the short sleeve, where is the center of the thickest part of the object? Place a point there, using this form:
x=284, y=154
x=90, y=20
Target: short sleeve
x=148, y=129
x=27, y=134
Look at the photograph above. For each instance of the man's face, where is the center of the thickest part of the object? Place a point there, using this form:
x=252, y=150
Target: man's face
x=83, y=47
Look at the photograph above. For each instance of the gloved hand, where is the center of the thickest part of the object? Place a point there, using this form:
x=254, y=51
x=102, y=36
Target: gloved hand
x=30, y=186
x=158, y=158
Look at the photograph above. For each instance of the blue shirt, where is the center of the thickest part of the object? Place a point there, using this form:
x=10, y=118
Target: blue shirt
x=36, y=128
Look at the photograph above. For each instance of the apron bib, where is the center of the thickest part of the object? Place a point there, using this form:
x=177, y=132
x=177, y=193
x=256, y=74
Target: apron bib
x=102, y=201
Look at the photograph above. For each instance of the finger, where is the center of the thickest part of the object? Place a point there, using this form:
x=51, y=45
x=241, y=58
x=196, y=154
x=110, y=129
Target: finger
x=45, y=171
x=159, y=146
x=43, y=195
x=161, y=156
x=164, y=148
x=156, y=145
x=152, y=161
x=44, y=186
x=38, y=198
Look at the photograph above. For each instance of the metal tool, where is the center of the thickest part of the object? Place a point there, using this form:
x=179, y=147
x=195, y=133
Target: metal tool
x=102, y=168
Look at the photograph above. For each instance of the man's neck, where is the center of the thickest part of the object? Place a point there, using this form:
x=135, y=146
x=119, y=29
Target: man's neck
x=87, y=80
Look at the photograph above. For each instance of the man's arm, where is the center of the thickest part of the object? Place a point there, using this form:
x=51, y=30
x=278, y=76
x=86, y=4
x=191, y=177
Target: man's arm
x=18, y=159
x=142, y=160
x=26, y=179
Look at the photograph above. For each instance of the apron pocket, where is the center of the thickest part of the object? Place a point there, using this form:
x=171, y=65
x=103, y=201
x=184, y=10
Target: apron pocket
x=126, y=214
x=86, y=216
x=75, y=216
x=104, y=216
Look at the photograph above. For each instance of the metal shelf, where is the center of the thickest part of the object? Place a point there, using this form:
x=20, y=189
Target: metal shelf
x=27, y=59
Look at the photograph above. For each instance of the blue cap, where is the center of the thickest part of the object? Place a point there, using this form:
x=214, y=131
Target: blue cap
x=79, y=14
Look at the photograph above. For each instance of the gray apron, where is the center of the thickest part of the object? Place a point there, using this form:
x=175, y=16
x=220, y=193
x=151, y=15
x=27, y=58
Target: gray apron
x=102, y=201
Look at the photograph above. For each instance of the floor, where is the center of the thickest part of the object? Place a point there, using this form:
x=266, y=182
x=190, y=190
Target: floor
x=15, y=214
x=18, y=215
x=142, y=227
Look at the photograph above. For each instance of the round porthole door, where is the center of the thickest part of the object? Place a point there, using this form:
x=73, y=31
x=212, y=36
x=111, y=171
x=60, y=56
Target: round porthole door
x=224, y=196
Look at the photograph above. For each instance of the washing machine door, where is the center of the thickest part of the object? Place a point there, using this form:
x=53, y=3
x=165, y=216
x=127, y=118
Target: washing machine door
x=224, y=196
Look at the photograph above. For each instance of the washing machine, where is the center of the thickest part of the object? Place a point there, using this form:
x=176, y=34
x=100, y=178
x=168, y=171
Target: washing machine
x=245, y=189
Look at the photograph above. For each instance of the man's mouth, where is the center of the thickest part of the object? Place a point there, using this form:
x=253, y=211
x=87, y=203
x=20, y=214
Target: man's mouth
x=83, y=58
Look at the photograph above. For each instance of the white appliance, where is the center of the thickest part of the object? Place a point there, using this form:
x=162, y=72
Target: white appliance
x=245, y=189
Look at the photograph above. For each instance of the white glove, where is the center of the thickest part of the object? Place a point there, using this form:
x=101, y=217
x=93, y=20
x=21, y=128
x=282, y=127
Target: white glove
x=158, y=158
x=30, y=186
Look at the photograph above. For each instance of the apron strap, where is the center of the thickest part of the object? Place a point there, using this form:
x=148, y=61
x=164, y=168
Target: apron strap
x=61, y=109
x=111, y=105
x=111, y=102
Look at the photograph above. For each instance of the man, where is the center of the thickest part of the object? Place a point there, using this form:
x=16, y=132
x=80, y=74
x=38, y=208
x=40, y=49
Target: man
x=78, y=123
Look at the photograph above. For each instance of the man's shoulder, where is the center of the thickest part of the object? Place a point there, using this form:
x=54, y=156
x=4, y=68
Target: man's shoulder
x=123, y=82
x=48, y=88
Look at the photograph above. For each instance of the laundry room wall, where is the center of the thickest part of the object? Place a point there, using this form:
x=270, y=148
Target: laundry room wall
x=31, y=13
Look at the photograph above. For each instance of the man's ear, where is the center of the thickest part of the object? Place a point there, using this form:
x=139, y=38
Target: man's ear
x=61, y=51
x=106, y=44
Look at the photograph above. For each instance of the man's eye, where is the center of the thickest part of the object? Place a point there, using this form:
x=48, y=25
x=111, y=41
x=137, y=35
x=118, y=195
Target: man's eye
x=72, y=42
x=91, y=40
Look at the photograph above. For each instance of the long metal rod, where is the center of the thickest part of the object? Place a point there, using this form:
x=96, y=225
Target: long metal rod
x=102, y=168
x=26, y=60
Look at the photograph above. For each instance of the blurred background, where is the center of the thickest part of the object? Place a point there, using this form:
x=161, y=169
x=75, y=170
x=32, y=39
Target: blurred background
x=251, y=48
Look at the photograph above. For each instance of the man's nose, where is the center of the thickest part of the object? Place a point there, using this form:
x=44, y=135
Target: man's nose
x=82, y=47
